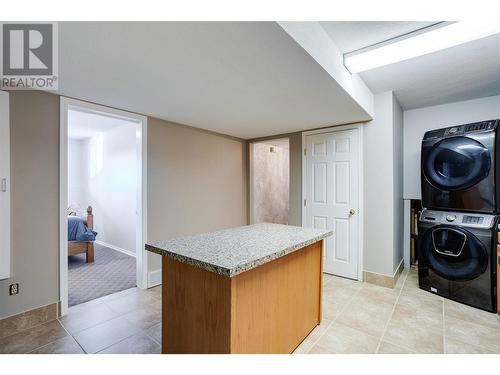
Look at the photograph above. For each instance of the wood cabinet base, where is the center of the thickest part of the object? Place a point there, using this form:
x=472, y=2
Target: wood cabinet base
x=269, y=309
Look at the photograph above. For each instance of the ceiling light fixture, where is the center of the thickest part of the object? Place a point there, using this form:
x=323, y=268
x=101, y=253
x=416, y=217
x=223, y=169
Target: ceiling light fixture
x=417, y=44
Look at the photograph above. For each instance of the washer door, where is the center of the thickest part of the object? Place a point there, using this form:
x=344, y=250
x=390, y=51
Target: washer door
x=454, y=253
x=456, y=163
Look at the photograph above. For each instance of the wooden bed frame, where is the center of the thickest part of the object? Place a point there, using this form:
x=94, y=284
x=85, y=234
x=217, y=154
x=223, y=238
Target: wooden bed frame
x=86, y=247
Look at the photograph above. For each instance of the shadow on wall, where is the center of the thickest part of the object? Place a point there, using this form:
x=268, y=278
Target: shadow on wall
x=271, y=181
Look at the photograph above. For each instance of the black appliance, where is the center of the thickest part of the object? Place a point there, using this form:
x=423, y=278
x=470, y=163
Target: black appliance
x=458, y=168
x=456, y=257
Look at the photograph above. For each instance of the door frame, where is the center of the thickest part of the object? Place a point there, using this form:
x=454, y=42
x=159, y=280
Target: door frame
x=141, y=230
x=361, y=207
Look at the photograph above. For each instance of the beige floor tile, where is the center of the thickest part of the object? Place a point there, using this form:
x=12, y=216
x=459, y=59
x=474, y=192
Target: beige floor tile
x=412, y=277
x=317, y=349
x=416, y=292
x=136, y=344
x=452, y=346
x=18, y=323
x=345, y=283
x=155, y=304
x=378, y=294
x=332, y=307
x=116, y=295
x=340, y=339
x=304, y=346
x=144, y=318
x=85, y=306
x=430, y=304
x=327, y=277
x=420, y=339
x=332, y=292
x=66, y=345
x=388, y=348
x=87, y=315
x=418, y=317
x=155, y=333
x=460, y=311
x=33, y=338
x=319, y=330
x=154, y=292
x=101, y=336
x=474, y=334
x=401, y=280
x=130, y=302
x=367, y=315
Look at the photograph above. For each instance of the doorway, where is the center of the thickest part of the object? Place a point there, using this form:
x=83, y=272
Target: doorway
x=270, y=181
x=332, y=195
x=102, y=202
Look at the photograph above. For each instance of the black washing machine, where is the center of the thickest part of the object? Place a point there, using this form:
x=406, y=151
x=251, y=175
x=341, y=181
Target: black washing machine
x=458, y=167
x=456, y=257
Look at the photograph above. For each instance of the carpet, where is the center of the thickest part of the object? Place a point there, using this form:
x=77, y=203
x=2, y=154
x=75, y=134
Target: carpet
x=110, y=272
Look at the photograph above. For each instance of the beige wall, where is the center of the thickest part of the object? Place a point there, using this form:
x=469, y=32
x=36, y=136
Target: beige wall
x=34, y=135
x=197, y=182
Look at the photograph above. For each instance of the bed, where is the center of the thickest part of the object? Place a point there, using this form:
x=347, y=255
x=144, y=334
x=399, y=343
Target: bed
x=81, y=236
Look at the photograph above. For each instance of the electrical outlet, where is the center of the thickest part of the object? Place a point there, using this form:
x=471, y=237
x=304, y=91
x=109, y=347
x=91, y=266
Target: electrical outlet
x=13, y=289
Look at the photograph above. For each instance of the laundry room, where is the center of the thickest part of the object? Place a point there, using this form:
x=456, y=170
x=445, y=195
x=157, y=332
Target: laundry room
x=252, y=187
x=452, y=200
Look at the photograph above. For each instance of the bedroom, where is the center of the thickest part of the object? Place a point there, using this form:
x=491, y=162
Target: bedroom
x=102, y=189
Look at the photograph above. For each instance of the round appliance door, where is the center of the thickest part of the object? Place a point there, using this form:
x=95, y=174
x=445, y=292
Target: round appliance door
x=454, y=253
x=456, y=163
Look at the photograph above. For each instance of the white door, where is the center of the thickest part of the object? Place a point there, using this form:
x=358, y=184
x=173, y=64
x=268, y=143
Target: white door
x=331, y=197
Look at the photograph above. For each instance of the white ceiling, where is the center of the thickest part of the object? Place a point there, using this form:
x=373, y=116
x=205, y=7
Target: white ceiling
x=245, y=79
x=351, y=36
x=83, y=125
x=463, y=72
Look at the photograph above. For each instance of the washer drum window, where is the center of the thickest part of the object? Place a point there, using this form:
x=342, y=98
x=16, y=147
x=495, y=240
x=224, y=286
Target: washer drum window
x=454, y=253
x=457, y=163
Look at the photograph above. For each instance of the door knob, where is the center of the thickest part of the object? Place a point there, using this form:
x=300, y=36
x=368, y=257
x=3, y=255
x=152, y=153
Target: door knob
x=352, y=211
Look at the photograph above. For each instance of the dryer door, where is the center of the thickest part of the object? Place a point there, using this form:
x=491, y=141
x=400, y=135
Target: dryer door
x=456, y=163
x=454, y=253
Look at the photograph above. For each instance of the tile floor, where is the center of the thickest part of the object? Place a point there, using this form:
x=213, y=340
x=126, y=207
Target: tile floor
x=364, y=318
x=357, y=318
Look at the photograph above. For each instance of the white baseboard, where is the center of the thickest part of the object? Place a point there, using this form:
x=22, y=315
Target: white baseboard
x=126, y=252
x=154, y=278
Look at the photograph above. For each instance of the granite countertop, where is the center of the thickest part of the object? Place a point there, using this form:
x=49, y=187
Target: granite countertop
x=230, y=252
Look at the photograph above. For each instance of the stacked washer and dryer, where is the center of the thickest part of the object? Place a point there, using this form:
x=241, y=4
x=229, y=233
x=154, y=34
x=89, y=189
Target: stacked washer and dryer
x=458, y=226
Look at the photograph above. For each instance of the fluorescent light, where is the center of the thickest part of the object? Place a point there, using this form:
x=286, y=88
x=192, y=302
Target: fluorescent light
x=420, y=44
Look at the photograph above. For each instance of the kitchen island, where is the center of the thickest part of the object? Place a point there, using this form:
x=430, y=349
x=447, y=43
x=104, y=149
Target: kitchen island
x=251, y=289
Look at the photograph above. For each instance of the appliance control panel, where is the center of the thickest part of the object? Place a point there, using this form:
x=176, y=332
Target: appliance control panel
x=458, y=218
x=474, y=127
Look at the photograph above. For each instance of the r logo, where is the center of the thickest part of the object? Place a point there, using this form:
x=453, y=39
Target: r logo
x=27, y=49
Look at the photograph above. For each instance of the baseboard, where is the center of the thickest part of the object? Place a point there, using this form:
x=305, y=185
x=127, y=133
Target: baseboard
x=126, y=252
x=380, y=279
x=386, y=281
x=154, y=278
x=21, y=322
x=399, y=271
